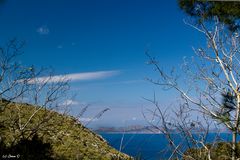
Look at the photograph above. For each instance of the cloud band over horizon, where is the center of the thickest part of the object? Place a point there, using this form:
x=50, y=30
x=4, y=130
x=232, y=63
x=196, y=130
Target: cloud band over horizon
x=83, y=76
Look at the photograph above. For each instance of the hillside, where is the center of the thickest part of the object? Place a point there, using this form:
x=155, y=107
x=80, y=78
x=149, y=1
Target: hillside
x=66, y=136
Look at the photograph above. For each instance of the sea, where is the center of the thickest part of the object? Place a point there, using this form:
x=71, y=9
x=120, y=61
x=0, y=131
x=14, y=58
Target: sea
x=149, y=146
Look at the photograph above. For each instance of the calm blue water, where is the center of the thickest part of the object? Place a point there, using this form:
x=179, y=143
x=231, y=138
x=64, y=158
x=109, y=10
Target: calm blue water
x=148, y=146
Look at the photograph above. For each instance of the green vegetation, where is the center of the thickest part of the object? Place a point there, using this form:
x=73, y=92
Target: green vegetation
x=219, y=151
x=59, y=136
x=227, y=12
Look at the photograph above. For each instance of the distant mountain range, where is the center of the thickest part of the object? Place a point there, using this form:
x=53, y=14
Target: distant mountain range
x=142, y=129
x=128, y=129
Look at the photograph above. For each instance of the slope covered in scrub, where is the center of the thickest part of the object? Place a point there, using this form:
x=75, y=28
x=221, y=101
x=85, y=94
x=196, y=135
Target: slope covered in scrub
x=65, y=136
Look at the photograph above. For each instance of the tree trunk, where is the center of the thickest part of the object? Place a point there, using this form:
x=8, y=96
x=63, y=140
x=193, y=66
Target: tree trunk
x=234, y=141
x=235, y=131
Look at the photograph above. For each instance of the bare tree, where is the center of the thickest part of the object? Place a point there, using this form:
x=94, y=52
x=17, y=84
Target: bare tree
x=9, y=69
x=211, y=76
x=183, y=131
x=20, y=88
x=34, y=100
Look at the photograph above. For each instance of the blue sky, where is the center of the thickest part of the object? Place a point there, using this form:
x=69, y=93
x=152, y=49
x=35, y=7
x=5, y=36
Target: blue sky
x=106, y=39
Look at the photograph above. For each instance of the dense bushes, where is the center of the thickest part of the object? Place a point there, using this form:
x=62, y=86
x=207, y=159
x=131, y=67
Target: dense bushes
x=218, y=151
x=27, y=149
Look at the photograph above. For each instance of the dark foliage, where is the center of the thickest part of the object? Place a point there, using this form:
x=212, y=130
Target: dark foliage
x=25, y=149
x=228, y=106
x=227, y=12
x=229, y=102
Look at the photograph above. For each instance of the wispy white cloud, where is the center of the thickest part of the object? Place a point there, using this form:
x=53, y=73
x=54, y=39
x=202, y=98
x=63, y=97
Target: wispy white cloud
x=75, y=77
x=134, y=118
x=70, y=102
x=59, y=46
x=87, y=119
x=43, y=30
